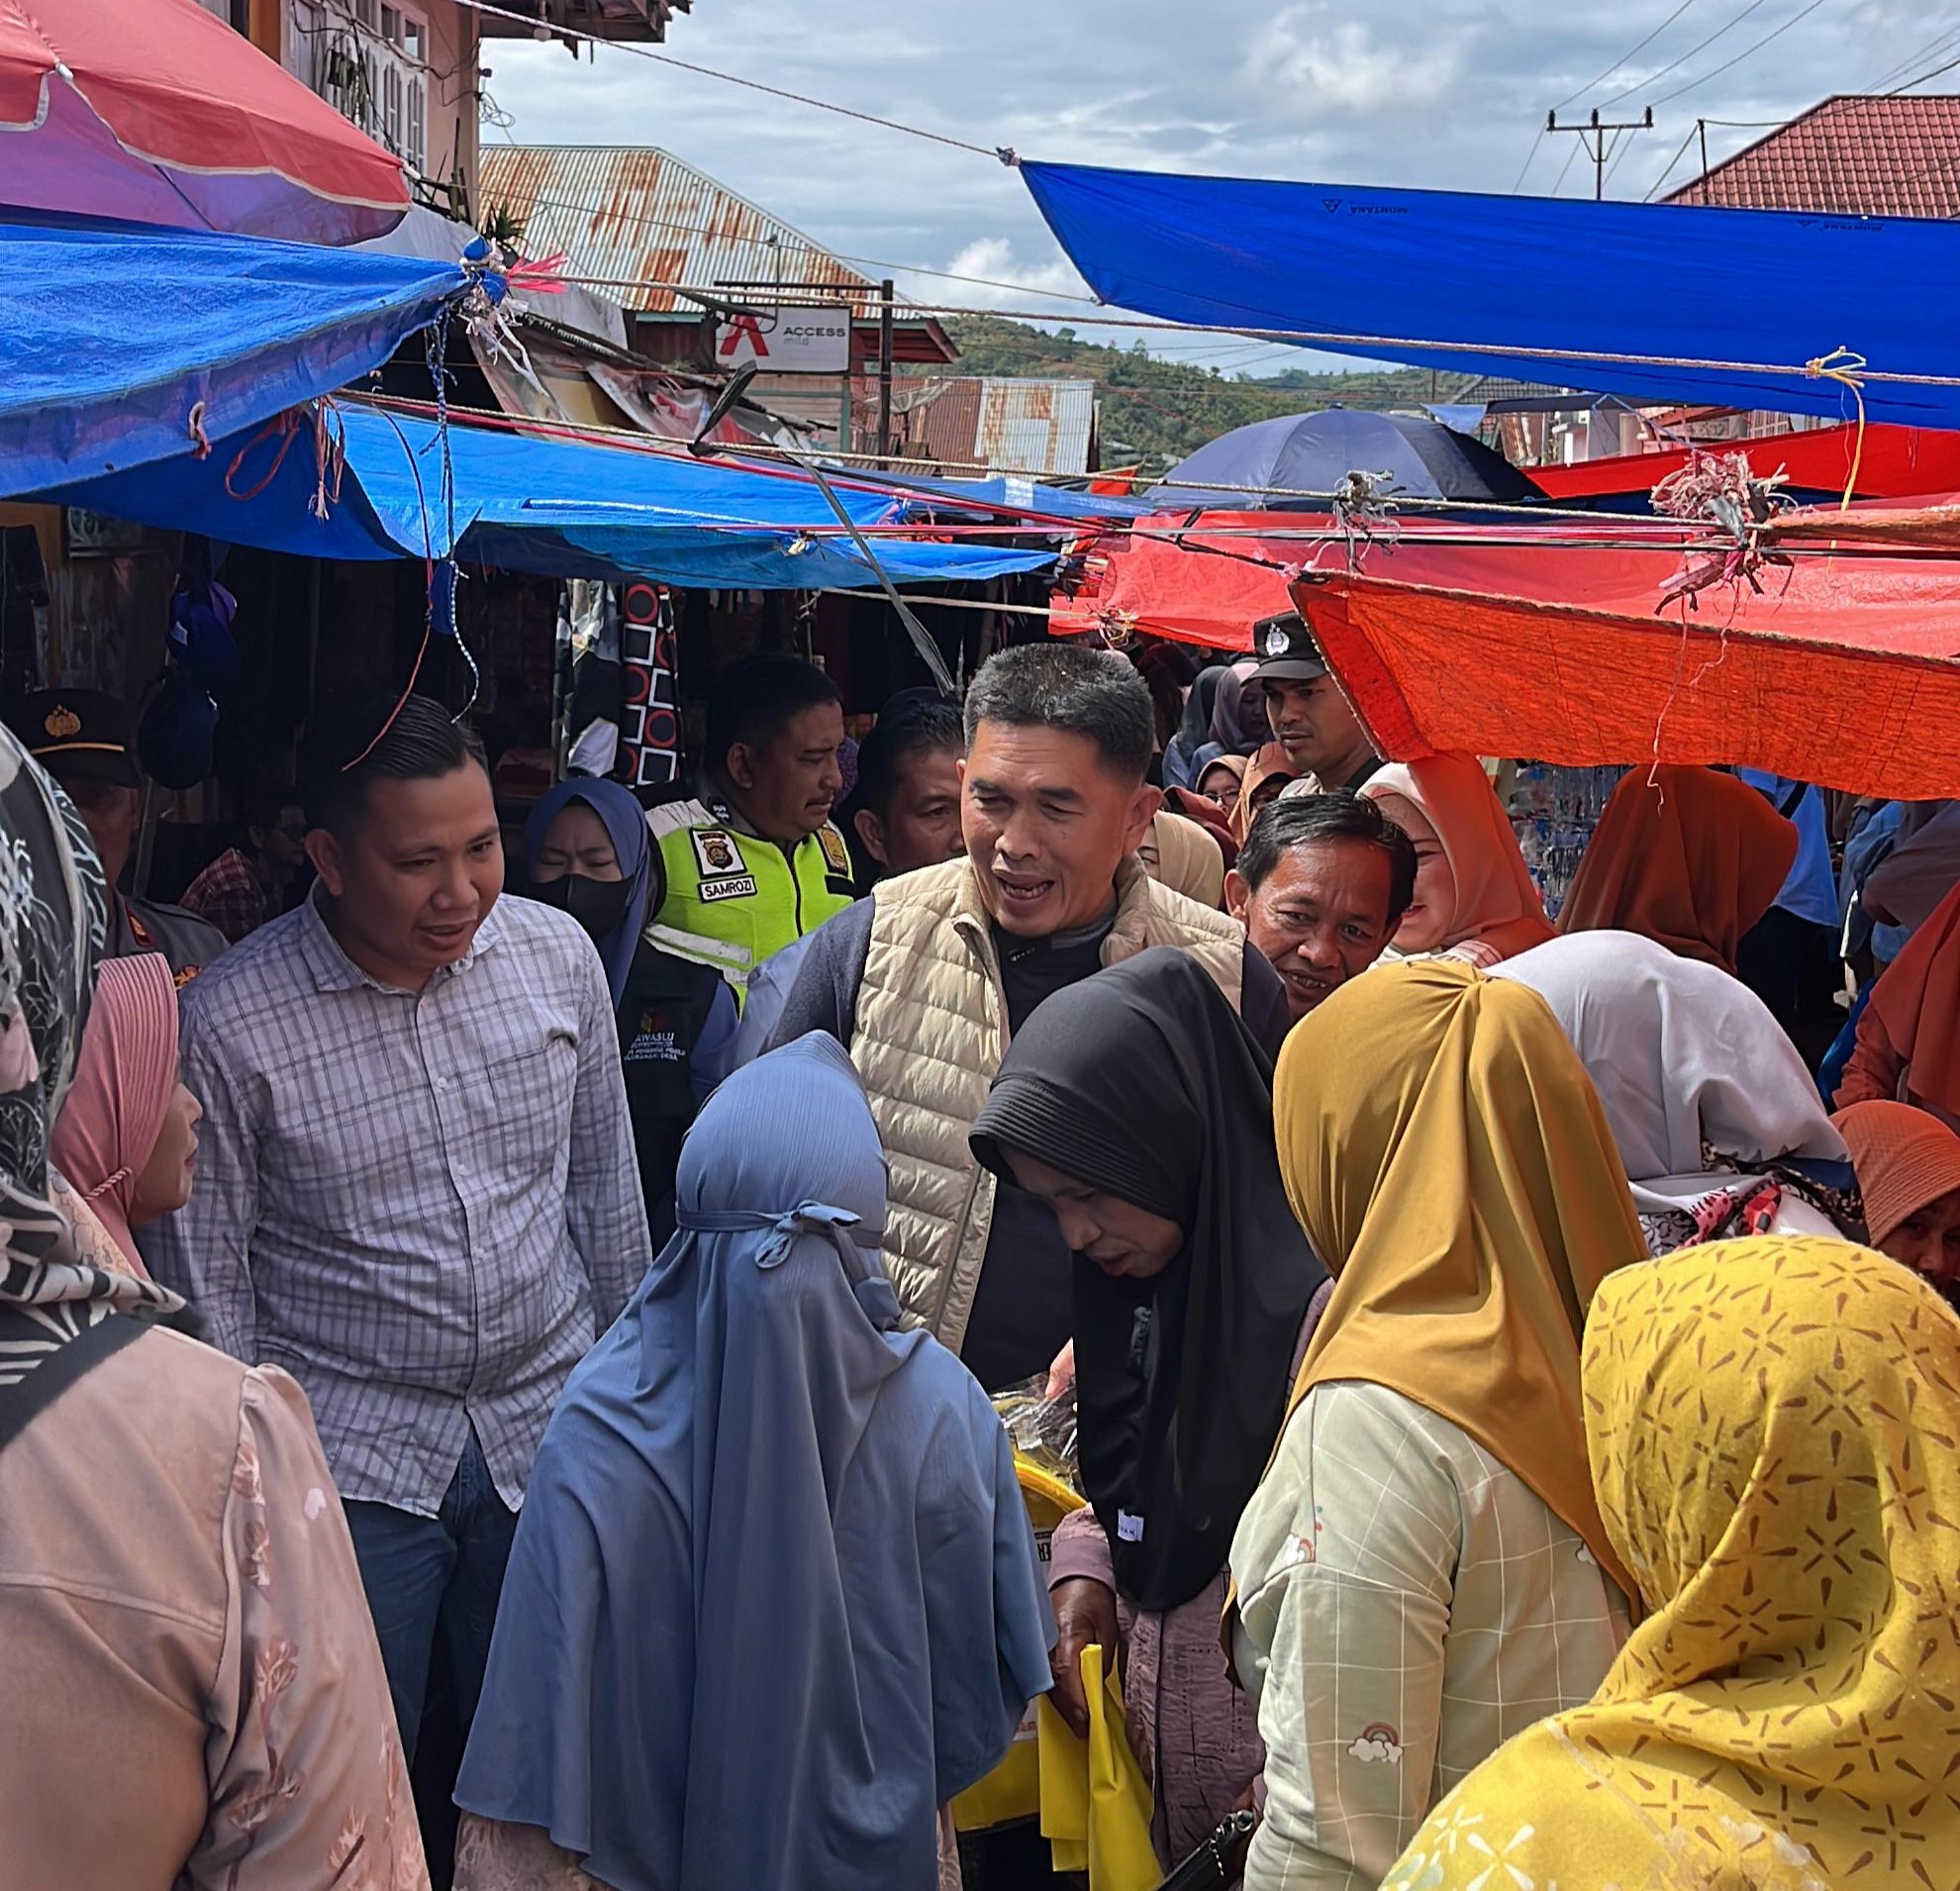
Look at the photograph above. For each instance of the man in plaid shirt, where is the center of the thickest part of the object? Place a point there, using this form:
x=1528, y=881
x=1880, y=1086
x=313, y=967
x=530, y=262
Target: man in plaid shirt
x=416, y=1188
x=243, y=887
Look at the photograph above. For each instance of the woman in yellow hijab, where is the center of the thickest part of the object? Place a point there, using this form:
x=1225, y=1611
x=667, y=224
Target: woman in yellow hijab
x=1772, y=1426
x=1424, y=1572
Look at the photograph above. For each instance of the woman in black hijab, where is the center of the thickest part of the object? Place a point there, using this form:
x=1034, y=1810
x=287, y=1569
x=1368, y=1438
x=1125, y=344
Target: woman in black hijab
x=1238, y=713
x=1194, y=731
x=1138, y=1106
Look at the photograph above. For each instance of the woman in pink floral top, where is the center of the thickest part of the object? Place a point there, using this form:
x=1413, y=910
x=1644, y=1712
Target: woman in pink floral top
x=193, y=1694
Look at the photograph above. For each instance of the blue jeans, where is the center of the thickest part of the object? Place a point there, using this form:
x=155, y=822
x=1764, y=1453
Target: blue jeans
x=432, y=1584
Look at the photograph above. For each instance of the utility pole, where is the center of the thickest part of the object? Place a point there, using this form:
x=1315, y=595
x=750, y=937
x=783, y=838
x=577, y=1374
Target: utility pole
x=1702, y=125
x=885, y=291
x=1597, y=149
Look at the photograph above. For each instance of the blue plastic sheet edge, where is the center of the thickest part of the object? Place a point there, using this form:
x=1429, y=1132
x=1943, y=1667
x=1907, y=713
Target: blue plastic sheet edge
x=1548, y=290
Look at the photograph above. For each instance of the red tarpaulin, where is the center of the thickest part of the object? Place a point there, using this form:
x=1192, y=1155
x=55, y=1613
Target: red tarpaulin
x=154, y=111
x=1211, y=583
x=1845, y=672
x=1894, y=463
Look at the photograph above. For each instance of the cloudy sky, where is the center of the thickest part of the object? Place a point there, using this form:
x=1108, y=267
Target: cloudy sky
x=1446, y=94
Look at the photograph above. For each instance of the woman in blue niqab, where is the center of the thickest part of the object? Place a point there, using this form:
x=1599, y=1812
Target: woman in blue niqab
x=773, y=1600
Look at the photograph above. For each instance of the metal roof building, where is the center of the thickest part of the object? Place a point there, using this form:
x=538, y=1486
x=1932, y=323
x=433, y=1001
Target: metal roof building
x=604, y=19
x=1003, y=422
x=632, y=219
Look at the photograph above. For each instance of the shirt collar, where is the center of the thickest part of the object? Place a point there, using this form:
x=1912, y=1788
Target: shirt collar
x=332, y=971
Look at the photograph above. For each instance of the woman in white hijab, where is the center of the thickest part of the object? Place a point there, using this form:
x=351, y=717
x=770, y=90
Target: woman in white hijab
x=1719, y=1123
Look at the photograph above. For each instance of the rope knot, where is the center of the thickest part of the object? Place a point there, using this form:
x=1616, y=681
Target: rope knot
x=1844, y=366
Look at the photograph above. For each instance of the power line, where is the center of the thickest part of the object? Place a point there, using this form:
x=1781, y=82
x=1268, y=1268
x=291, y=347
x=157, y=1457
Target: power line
x=1775, y=34
x=1526, y=165
x=1923, y=78
x=1625, y=147
x=1938, y=43
x=1558, y=183
x=1624, y=56
x=553, y=31
x=1654, y=78
x=1669, y=170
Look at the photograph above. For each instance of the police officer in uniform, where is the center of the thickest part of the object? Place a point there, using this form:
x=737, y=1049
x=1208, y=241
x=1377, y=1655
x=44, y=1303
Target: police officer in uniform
x=752, y=862
x=86, y=740
x=1326, y=745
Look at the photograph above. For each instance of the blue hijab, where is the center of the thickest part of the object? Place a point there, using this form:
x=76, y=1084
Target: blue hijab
x=773, y=1598
x=626, y=823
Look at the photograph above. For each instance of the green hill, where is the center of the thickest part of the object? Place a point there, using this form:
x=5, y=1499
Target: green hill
x=1156, y=411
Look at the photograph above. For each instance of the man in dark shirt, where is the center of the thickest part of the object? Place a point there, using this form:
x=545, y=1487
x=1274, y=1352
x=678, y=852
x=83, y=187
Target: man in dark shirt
x=1053, y=801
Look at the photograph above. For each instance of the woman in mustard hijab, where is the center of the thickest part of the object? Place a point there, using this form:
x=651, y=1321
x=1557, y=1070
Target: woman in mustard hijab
x=1424, y=1571
x=1771, y=1425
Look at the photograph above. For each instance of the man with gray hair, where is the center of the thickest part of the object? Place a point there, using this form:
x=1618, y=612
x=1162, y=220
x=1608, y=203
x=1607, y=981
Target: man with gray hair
x=924, y=981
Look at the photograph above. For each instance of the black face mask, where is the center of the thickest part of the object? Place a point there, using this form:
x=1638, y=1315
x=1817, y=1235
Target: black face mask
x=600, y=906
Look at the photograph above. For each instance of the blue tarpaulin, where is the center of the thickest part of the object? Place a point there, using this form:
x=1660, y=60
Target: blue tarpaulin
x=1547, y=290
x=557, y=508
x=112, y=343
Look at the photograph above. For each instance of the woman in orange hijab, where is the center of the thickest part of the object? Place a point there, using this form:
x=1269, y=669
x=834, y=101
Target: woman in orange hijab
x=1909, y=1034
x=1475, y=898
x=1687, y=856
x=1266, y=775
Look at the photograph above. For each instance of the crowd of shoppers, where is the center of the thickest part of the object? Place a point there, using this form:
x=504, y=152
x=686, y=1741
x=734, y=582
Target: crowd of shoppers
x=494, y=1384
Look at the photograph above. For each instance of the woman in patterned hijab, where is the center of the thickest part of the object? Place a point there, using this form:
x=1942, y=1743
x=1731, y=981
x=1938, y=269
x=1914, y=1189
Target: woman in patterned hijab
x=52, y=913
x=1771, y=1430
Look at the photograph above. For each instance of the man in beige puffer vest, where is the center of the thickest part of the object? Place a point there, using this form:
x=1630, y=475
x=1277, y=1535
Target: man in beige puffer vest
x=924, y=981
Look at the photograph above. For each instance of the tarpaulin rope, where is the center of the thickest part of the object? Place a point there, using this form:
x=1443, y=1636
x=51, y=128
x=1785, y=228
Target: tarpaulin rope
x=1847, y=368
x=1345, y=338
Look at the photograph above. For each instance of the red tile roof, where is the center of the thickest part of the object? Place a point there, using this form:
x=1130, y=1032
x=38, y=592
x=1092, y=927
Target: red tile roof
x=1850, y=157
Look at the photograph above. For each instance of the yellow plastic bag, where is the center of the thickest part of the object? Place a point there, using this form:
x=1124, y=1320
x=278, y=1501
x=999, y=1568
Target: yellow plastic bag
x=1013, y=1791
x=1095, y=1802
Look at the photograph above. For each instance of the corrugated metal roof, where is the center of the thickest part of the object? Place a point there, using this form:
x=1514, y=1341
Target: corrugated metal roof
x=1848, y=156
x=606, y=19
x=1037, y=427
x=634, y=213
x=963, y=421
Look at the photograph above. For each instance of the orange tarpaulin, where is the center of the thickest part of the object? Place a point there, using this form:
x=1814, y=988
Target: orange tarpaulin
x=1845, y=672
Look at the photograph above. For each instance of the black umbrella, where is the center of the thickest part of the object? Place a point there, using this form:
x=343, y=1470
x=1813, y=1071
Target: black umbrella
x=1312, y=453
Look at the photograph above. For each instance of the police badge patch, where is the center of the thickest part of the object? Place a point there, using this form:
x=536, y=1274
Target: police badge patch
x=836, y=854
x=1277, y=641
x=716, y=853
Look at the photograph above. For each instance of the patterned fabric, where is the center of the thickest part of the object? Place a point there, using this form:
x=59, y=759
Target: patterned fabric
x=1406, y=1604
x=1714, y=1112
x=1772, y=1429
x=52, y=909
x=416, y=1204
x=194, y=1697
x=231, y=895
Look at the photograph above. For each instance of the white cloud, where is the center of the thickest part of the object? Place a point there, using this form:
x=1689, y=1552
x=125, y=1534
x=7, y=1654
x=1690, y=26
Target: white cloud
x=1442, y=93
x=1331, y=60
x=1001, y=281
